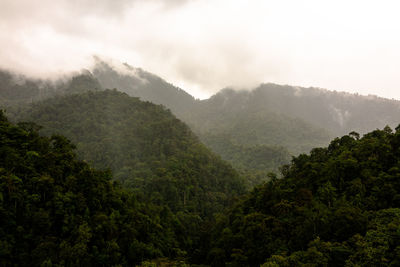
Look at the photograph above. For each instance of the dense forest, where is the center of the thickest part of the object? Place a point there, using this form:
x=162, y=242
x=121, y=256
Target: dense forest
x=146, y=147
x=56, y=210
x=337, y=206
x=272, y=116
x=234, y=124
x=337, y=112
x=239, y=179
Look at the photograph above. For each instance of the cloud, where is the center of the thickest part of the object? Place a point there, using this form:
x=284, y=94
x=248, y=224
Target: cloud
x=205, y=45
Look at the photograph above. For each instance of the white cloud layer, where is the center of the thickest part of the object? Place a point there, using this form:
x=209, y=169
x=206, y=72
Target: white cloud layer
x=204, y=45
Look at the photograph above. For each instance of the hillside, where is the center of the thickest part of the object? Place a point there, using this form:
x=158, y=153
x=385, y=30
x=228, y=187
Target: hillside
x=225, y=115
x=270, y=134
x=270, y=122
x=148, y=87
x=146, y=147
x=57, y=210
x=337, y=112
x=270, y=115
x=17, y=89
x=337, y=206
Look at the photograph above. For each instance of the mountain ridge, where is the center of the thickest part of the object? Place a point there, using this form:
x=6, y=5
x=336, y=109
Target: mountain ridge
x=270, y=115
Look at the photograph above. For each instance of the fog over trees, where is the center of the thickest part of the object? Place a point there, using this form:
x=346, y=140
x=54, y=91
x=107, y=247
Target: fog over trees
x=274, y=176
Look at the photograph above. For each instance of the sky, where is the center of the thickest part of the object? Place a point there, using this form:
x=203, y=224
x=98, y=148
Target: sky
x=203, y=46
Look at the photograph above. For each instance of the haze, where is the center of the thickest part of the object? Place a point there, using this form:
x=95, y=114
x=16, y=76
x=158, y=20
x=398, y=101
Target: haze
x=203, y=46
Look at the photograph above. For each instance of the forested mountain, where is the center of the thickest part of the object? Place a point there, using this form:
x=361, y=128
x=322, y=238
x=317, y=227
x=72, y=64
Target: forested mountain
x=136, y=82
x=161, y=195
x=145, y=146
x=247, y=125
x=58, y=211
x=139, y=83
x=272, y=116
x=268, y=123
x=337, y=112
x=238, y=135
x=337, y=206
x=17, y=89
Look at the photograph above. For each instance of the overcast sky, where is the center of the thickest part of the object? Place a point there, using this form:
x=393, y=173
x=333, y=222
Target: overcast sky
x=205, y=45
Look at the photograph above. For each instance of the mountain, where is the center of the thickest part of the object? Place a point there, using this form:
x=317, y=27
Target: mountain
x=148, y=87
x=161, y=196
x=337, y=206
x=212, y=123
x=336, y=112
x=270, y=115
x=278, y=120
x=146, y=147
x=234, y=115
x=17, y=89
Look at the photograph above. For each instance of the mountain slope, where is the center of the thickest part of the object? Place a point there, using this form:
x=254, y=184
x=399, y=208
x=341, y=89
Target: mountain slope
x=337, y=112
x=145, y=146
x=17, y=89
x=211, y=122
x=246, y=125
x=57, y=210
x=279, y=119
x=337, y=206
x=148, y=87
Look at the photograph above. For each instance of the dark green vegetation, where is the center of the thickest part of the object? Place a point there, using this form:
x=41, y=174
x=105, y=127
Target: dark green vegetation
x=295, y=119
x=146, y=147
x=336, y=206
x=258, y=157
x=55, y=209
x=277, y=119
x=237, y=133
x=254, y=162
x=159, y=196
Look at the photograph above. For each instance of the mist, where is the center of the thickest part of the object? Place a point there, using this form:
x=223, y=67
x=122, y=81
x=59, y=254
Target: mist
x=203, y=46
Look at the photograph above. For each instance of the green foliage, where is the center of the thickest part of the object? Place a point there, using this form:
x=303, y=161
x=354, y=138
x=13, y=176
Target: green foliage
x=243, y=120
x=146, y=147
x=150, y=152
x=336, y=206
x=56, y=210
x=254, y=162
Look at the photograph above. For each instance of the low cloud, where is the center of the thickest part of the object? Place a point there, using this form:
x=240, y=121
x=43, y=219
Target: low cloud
x=205, y=45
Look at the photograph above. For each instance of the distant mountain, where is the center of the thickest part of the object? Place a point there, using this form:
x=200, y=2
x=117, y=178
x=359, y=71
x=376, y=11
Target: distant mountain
x=234, y=116
x=212, y=120
x=148, y=87
x=145, y=146
x=293, y=117
x=337, y=112
x=17, y=89
x=278, y=119
x=296, y=118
